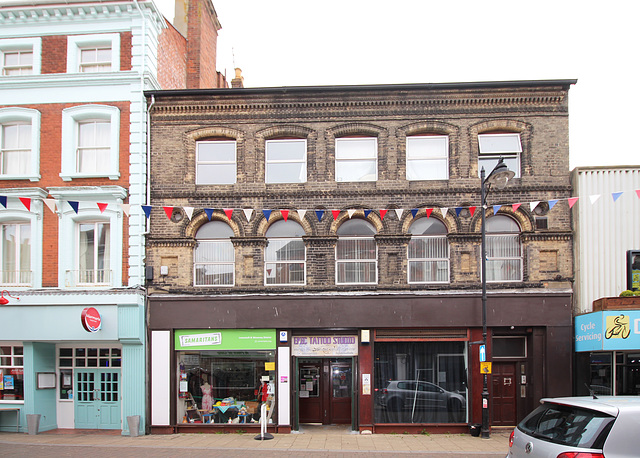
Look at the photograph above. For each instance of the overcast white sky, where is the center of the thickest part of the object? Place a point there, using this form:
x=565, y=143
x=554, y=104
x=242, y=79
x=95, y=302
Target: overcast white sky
x=329, y=42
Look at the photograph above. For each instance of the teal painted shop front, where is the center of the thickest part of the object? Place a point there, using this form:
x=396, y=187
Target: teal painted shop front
x=72, y=377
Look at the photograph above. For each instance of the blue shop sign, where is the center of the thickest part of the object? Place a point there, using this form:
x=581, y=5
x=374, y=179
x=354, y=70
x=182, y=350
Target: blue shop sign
x=610, y=330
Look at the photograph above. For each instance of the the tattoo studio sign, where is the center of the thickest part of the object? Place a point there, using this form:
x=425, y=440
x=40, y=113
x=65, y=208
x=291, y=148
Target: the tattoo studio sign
x=324, y=346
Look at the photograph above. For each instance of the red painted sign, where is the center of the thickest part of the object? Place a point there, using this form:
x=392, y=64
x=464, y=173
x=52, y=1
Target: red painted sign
x=91, y=319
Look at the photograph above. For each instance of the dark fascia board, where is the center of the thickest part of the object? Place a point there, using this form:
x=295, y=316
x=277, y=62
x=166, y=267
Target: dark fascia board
x=564, y=83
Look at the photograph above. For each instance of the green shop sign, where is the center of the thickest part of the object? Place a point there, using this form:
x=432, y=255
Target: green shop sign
x=225, y=339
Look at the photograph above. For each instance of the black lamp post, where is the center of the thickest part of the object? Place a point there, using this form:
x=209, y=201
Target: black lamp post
x=498, y=178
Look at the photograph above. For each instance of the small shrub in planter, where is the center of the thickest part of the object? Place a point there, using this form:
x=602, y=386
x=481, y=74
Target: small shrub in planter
x=627, y=293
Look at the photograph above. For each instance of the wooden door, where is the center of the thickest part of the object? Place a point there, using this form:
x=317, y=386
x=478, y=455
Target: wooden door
x=311, y=391
x=340, y=394
x=503, y=394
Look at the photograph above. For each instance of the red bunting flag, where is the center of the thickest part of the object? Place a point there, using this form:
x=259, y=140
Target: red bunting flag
x=335, y=214
x=102, y=207
x=429, y=210
x=26, y=201
x=638, y=192
x=572, y=201
x=285, y=214
x=228, y=212
x=472, y=210
x=382, y=213
x=168, y=211
x=515, y=207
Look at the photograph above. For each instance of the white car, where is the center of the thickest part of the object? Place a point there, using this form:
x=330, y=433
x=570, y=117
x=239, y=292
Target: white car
x=579, y=427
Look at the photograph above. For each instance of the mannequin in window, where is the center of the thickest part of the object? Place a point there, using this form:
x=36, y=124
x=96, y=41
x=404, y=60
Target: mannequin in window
x=207, y=395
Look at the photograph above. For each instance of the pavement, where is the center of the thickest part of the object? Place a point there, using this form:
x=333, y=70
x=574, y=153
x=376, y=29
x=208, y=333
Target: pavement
x=311, y=441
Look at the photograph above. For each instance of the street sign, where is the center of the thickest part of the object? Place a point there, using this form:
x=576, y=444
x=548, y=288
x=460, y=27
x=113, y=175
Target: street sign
x=483, y=353
x=485, y=367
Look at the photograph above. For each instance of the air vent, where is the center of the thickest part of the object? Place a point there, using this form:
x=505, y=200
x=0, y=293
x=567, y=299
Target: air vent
x=542, y=223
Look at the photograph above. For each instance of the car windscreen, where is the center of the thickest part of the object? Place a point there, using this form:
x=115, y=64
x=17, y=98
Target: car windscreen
x=568, y=425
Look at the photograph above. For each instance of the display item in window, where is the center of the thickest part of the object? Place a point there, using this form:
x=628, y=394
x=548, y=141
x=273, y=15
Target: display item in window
x=207, y=395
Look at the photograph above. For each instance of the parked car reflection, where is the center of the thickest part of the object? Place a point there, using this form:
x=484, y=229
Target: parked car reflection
x=415, y=396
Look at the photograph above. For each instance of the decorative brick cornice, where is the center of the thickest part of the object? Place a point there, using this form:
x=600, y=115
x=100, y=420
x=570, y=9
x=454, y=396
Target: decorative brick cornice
x=160, y=242
x=249, y=241
x=392, y=240
x=547, y=236
x=315, y=240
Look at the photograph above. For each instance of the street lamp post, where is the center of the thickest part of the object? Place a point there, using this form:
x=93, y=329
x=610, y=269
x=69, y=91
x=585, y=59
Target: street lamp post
x=498, y=177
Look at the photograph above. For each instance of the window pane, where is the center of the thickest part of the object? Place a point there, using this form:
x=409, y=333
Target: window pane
x=427, y=147
x=356, y=226
x=364, y=170
x=499, y=143
x=221, y=151
x=214, y=274
x=16, y=149
x=351, y=249
x=285, y=273
x=285, y=250
x=356, y=272
x=490, y=162
x=216, y=174
x=427, y=169
x=504, y=270
x=214, y=251
x=286, y=150
x=356, y=148
x=428, y=271
x=286, y=173
x=282, y=228
x=214, y=230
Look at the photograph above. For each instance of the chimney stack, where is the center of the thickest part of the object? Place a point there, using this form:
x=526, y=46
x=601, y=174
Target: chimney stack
x=238, y=81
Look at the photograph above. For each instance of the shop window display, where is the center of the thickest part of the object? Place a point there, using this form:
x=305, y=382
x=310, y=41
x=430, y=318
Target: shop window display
x=420, y=382
x=219, y=387
x=11, y=373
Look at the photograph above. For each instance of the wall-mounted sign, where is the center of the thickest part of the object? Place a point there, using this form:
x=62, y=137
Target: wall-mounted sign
x=610, y=330
x=91, y=319
x=225, y=339
x=324, y=346
x=485, y=367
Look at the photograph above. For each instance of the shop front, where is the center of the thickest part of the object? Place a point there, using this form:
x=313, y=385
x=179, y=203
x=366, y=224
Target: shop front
x=78, y=365
x=607, y=345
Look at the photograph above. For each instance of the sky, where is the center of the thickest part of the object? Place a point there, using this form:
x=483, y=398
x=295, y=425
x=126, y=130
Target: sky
x=350, y=42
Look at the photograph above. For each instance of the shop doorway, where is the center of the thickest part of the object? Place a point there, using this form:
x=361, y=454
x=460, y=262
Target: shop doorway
x=504, y=394
x=325, y=391
x=97, y=399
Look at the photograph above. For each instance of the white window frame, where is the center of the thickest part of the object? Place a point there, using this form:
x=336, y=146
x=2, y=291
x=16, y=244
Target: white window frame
x=496, y=235
x=489, y=156
x=88, y=212
x=284, y=263
x=13, y=356
x=358, y=260
x=16, y=213
x=99, y=279
x=75, y=43
x=302, y=178
x=16, y=277
x=22, y=44
x=231, y=263
x=199, y=179
x=343, y=159
x=28, y=116
x=414, y=155
x=411, y=260
x=71, y=117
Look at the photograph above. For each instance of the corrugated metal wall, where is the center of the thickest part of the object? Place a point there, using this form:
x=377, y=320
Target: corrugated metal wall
x=604, y=231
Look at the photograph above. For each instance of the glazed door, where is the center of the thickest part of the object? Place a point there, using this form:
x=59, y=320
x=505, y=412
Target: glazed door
x=504, y=394
x=310, y=394
x=97, y=399
x=341, y=391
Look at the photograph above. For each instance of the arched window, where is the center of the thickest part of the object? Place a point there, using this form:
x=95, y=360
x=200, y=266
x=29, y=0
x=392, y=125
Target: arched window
x=216, y=161
x=213, y=256
x=428, y=252
x=285, y=254
x=504, y=254
x=356, y=253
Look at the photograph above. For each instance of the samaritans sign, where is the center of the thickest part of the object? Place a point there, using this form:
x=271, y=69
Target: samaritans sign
x=225, y=339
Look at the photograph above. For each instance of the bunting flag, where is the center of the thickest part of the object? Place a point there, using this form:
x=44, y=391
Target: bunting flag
x=102, y=206
x=533, y=205
x=319, y=214
x=572, y=201
x=638, y=193
x=335, y=214
x=444, y=211
x=147, y=210
x=301, y=213
x=514, y=207
x=429, y=210
x=472, y=210
x=228, y=212
x=189, y=212
x=126, y=208
x=399, y=212
x=285, y=214
x=26, y=201
x=552, y=203
x=616, y=195
x=367, y=213
x=51, y=204
x=248, y=213
x=351, y=213
x=168, y=211
x=458, y=210
x=3, y=201
x=496, y=209
x=266, y=213
x=594, y=198
x=75, y=205
x=382, y=213
x=209, y=213
x=414, y=212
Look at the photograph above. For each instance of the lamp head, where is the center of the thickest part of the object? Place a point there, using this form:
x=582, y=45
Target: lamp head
x=500, y=175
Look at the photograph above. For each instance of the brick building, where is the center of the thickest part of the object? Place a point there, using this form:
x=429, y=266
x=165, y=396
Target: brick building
x=326, y=241
x=73, y=141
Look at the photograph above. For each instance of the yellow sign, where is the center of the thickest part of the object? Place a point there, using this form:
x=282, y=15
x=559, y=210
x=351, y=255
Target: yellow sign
x=269, y=366
x=618, y=327
x=485, y=367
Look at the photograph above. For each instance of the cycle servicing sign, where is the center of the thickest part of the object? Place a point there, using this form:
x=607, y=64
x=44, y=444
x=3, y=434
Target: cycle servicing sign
x=610, y=330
